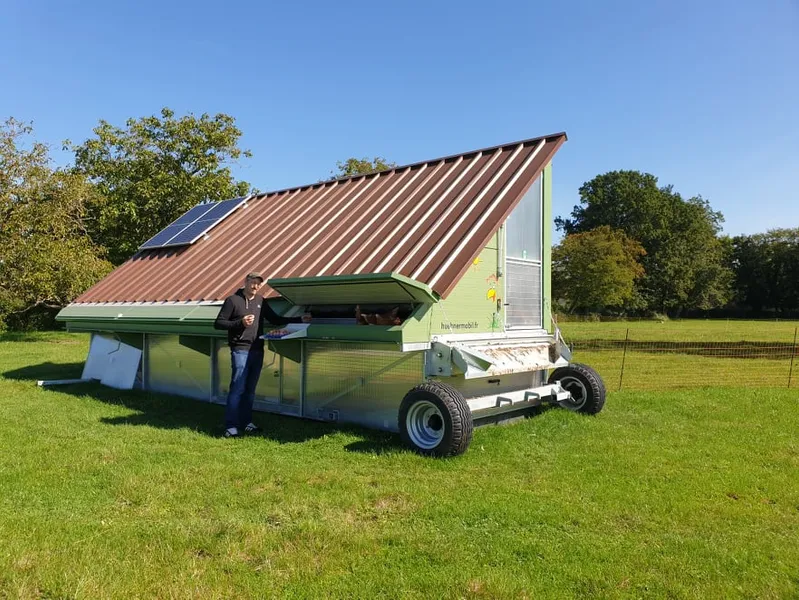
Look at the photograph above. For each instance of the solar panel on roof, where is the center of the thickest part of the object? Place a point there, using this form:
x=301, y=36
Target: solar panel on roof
x=193, y=224
x=192, y=232
x=222, y=209
x=162, y=237
x=194, y=213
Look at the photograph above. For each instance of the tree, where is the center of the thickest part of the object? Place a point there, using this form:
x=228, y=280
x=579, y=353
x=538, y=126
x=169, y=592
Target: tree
x=153, y=170
x=596, y=270
x=361, y=166
x=684, y=258
x=47, y=257
x=767, y=270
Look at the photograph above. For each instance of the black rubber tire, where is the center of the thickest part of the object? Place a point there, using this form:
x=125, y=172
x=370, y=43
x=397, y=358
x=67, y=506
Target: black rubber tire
x=586, y=383
x=456, y=416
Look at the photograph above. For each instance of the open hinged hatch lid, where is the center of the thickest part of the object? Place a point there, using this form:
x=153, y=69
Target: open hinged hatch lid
x=367, y=288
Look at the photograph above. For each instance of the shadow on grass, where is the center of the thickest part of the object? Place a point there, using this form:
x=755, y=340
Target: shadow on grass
x=47, y=370
x=375, y=442
x=176, y=412
x=58, y=336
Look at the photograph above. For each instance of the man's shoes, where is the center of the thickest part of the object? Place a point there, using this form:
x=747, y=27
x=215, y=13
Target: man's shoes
x=232, y=432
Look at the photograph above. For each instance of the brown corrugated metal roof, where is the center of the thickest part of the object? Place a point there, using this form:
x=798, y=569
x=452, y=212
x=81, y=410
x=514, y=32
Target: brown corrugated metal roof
x=427, y=221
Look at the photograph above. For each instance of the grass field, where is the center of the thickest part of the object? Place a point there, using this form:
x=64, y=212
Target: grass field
x=108, y=494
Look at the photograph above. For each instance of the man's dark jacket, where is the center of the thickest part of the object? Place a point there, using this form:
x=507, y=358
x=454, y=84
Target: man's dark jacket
x=231, y=317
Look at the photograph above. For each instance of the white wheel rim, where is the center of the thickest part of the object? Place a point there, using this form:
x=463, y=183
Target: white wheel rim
x=425, y=424
x=578, y=391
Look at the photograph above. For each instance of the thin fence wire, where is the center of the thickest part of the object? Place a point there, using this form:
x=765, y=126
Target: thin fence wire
x=680, y=355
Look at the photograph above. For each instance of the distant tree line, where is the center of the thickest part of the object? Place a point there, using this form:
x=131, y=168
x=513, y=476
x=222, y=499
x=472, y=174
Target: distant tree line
x=635, y=248
x=766, y=267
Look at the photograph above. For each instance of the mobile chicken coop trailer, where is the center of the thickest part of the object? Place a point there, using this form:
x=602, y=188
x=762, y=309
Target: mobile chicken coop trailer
x=429, y=286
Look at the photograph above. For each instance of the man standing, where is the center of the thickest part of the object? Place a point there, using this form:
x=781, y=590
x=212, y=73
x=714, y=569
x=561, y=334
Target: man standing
x=242, y=316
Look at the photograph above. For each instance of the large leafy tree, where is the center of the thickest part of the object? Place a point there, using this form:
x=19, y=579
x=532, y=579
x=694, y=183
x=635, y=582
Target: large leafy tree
x=596, y=270
x=154, y=169
x=47, y=257
x=361, y=166
x=767, y=270
x=684, y=266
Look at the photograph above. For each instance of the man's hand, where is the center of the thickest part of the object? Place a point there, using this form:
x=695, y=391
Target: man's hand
x=248, y=320
x=306, y=318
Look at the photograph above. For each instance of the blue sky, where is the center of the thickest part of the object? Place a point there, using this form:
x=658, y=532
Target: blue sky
x=705, y=95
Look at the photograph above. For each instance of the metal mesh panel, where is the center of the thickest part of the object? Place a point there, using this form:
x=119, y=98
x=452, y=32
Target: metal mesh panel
x=359, y=383
x=292, y=382
x=268, y=389
x=648, y=355
x=222, y=370
x=177, y=368
x=523, y=294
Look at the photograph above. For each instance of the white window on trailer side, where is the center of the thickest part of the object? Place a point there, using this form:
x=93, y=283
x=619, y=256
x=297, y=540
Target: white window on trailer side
x=523, y=254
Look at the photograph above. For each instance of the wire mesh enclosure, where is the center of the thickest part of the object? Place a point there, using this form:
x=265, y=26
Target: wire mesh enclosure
x=688, y=354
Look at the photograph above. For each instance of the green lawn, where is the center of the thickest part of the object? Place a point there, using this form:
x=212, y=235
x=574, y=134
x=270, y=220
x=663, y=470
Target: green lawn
x=690, y=494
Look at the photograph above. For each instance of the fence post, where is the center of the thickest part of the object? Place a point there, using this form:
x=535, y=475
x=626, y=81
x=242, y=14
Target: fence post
x=624, y=357
x=793, y=355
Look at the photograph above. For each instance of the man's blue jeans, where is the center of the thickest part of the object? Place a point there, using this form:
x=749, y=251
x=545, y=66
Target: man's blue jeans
x=246, y=368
